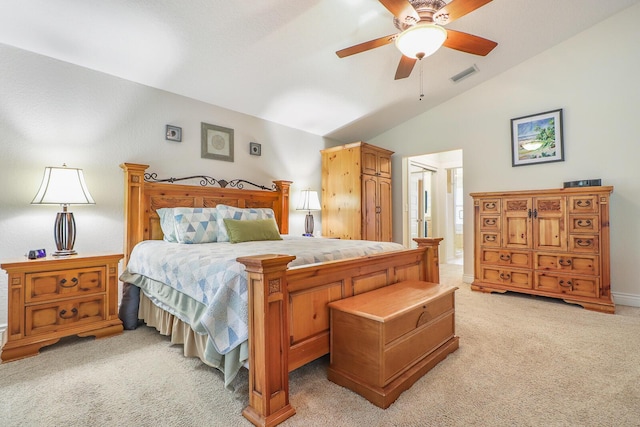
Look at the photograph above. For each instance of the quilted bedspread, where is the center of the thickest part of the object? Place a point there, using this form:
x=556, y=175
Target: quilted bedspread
x=209, y=274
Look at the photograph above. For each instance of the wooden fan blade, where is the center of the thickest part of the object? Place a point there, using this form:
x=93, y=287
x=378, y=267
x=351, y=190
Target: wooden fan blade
x=405, y=67
x=402, y=10
x=468, y=43
x=457, y=9
x=362, y=47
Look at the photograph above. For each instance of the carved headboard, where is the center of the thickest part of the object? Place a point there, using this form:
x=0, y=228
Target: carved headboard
x=144, y=193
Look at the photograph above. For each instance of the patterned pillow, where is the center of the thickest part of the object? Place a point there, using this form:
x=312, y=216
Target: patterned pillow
x=167, y=224
x=196, y=225
x=230, y=212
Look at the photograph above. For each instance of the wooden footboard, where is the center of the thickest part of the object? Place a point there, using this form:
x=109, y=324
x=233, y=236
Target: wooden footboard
x=289, y=317
x=288, y=313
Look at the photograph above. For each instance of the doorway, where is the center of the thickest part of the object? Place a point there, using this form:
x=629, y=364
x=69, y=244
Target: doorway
x=433, y=199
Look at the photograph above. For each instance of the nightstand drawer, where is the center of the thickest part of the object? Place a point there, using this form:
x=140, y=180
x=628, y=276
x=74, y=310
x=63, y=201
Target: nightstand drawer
x=51, y=285
x=43, y=318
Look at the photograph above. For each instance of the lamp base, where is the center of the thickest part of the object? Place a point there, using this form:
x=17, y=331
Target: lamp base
x=64, y=232
x=64, y=253
x=308, y=225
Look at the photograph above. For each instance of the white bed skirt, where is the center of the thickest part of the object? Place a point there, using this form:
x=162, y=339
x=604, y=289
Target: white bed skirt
x=167, y=324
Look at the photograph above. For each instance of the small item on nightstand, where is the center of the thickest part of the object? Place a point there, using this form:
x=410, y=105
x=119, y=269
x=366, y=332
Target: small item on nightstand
x=37, y=253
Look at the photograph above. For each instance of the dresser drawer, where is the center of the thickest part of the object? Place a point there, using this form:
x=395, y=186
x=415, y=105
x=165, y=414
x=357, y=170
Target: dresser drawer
x=488, y=206
x=584, y=203
x=522, y=279
x=584, y=224
x=576, y=263
x=490, y=238
x=585, y=286
x=584, y=243
x=49, y=285
x=519, y=259
x=490, y=222
x=43, y=318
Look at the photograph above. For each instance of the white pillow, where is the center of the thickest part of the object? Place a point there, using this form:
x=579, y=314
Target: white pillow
x=196, y=225
x=167, y=224
x=247, y=214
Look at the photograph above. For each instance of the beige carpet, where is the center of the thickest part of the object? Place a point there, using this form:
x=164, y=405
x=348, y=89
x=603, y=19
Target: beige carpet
x=522, y=361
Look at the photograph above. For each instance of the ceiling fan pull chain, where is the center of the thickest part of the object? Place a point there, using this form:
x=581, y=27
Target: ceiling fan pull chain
x=421, y=84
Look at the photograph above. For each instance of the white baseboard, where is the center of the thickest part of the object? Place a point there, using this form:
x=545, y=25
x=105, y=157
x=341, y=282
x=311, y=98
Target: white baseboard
x=630, y=300
x=467, y=278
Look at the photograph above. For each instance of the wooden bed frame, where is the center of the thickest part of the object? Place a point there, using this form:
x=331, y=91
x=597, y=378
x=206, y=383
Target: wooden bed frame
x=288, y=313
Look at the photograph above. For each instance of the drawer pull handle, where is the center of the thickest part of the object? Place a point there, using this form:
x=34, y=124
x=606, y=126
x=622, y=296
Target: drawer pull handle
x=490, y=221
x=504, y=276
x=583, y=203
x=586, y=242
x=74, y=282
x=490, y=205
x=504, y=257
x=424, y=318
x=489, y=238
x=567, y=285
x=74, y=312
x=584, y=223
x=564, y=263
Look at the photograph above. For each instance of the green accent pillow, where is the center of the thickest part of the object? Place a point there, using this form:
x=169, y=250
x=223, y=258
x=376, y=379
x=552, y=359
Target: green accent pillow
x=252, y=230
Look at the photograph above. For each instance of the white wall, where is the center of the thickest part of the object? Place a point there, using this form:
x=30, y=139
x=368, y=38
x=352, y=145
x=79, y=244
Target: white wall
x=593, y=77
x=53, y=112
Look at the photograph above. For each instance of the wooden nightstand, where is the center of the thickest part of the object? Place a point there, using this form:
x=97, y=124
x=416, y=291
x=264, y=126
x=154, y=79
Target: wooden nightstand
x=51, y=298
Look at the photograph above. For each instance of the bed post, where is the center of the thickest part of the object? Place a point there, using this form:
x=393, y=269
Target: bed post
x=432, y=263
x=282, y=187
x=268, y=339
x=133, y=200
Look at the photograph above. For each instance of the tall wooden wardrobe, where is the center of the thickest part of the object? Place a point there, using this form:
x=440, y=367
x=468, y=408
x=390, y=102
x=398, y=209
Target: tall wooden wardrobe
x=356, y=192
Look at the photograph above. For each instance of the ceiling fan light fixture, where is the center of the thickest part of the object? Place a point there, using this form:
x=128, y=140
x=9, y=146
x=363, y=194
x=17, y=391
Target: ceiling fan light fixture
x=421, y=40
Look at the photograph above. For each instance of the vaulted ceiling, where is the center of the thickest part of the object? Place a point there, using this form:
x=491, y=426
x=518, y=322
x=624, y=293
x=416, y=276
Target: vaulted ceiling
x=276, y=60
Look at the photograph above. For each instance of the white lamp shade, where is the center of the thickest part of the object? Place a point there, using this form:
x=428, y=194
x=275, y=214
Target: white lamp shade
x=308, y=201
x=63, y=186
x=421, y=40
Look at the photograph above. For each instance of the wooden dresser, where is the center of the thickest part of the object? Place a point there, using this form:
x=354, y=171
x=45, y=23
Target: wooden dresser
x=50, y=298
x=553, y=243
x=356, y=192
x=383, y=341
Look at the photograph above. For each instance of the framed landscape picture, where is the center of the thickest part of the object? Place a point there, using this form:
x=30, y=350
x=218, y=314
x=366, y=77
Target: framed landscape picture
x=537, y=138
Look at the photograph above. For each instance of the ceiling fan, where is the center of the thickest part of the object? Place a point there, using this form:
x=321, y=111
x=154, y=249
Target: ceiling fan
x=421, y=31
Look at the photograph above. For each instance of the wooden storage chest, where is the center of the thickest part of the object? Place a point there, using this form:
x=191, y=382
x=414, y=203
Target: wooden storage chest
x=383, y=341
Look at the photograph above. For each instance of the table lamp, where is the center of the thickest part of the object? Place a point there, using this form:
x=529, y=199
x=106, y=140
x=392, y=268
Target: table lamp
x=308, y=202
x=63, y=186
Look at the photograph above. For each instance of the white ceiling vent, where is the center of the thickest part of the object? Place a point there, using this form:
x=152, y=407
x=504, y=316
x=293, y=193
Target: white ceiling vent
x=465, y=73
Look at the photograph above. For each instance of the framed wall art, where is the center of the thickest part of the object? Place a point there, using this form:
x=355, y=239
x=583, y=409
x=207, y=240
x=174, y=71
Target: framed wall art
x=217, y=142
x=255, y=149
x=173, y=133
x=537, y=139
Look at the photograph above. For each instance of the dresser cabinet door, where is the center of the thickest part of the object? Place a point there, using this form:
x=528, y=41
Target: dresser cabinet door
x=517, y=222
x=549, y=217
